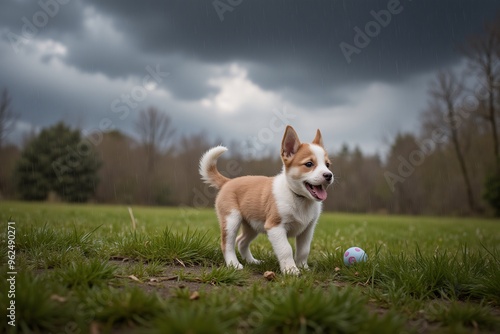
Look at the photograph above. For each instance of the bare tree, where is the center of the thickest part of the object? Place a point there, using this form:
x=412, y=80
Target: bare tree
x=155, y=129
x=8, y=118
x=483, y=55
x=446, y=91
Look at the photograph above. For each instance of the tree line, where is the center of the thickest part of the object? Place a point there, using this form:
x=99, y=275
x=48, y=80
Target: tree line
x=451, y=166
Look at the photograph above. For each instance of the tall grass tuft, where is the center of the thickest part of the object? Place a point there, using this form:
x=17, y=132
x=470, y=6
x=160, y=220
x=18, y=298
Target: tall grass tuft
x=220, y=276
x=463, y=315
x=195, y=318
x=86, y=273
x=187, y=248
x=298, y=310
x=49, y=248
x=132, y=306
x=459, y=275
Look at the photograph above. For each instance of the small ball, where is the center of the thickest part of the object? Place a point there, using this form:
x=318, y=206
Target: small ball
x=353, y=255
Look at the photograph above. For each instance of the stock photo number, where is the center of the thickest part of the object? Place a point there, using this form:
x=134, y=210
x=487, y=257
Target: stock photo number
x=11, y=274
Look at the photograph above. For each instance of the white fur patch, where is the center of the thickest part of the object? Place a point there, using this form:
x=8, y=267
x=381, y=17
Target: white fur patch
x=278, y=237
x=233, y=222
x=296, y=213
x=321, y=168
x=208, y=160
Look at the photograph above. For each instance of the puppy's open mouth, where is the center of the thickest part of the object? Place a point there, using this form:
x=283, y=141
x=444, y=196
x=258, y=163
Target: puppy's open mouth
x=318, y=192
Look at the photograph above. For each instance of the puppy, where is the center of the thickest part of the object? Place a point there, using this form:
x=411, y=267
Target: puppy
x=286, y=205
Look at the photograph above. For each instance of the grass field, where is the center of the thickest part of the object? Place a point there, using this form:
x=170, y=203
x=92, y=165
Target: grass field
x=82, y=268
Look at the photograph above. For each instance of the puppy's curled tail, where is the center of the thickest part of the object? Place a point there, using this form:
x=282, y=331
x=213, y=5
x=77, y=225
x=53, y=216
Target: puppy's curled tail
x=208, y=167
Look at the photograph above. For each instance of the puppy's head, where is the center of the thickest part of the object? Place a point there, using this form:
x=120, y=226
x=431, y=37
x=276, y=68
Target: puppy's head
x=306, y=165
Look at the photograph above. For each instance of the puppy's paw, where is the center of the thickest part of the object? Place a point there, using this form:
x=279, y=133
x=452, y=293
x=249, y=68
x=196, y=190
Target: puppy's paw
x=254, y=261
x=236, y=265
x=292, y=270
x=304, y=266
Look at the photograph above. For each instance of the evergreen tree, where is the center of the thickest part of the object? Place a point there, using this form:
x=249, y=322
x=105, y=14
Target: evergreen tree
x=58, y=160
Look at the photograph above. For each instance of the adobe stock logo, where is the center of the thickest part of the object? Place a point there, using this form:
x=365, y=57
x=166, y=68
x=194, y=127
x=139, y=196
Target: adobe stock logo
x=225, y=6
x=372, y=29
x=30, y=28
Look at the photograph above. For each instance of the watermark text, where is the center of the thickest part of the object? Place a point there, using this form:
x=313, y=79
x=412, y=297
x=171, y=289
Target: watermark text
x=11, y=273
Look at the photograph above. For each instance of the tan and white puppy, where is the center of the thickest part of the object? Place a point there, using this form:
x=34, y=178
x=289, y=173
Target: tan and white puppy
x=287, y=205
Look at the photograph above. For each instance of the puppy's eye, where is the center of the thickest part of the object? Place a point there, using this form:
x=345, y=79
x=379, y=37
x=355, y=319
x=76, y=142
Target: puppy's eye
x=309, y=164
x=327, y=165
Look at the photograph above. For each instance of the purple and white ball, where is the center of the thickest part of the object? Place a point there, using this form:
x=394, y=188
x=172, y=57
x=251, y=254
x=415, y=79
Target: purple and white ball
x=353, y=255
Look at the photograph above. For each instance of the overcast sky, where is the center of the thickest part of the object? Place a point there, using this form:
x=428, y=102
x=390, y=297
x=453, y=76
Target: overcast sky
x=236, y=69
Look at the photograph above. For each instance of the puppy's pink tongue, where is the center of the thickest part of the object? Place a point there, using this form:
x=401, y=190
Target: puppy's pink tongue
x=320, y=192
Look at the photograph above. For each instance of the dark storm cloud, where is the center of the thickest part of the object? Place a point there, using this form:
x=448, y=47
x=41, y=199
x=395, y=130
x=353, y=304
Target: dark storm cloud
x=289, y=49
x=14, y=14
x=294, y=45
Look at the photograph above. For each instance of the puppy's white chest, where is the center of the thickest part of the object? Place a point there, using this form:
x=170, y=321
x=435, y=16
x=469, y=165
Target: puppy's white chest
x=296, y=213
x=298, y=220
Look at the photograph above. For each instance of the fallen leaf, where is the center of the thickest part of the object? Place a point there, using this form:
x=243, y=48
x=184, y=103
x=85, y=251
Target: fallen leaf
x=180, y=262
x=194, y=296
x=337, y=269
x=134, y=278
x=269, y=275
x=94, y=328
x=58, y=298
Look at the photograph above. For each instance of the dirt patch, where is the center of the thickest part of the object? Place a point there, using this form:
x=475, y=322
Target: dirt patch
x=176, y=277
x=165, y=286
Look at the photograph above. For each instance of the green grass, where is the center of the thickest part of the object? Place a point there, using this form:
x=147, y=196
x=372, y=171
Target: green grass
x=218, y=276
x=298, y=308
x=86, y=273
x=82, y=267
x=36, y=309
x=185, y=248
x=123, y=306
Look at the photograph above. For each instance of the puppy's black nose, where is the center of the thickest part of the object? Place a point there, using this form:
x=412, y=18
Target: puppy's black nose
x=328, y=176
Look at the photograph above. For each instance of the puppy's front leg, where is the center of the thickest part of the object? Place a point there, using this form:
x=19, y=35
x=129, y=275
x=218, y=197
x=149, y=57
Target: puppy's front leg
x=283, y=250
x=303, y=245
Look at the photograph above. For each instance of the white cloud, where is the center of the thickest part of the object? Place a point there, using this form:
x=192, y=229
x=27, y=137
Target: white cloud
x=50, y=48
x=100, y=27
x=236, y=91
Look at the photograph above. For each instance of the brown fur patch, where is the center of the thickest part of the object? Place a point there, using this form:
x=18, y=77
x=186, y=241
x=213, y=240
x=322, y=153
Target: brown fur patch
x=252, y=196
x=318, y=140
x=290, y=143
x=216, y=176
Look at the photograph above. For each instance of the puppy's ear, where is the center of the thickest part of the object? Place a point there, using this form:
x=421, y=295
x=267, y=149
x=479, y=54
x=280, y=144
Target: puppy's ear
x=318, y=140
x=290, y=143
